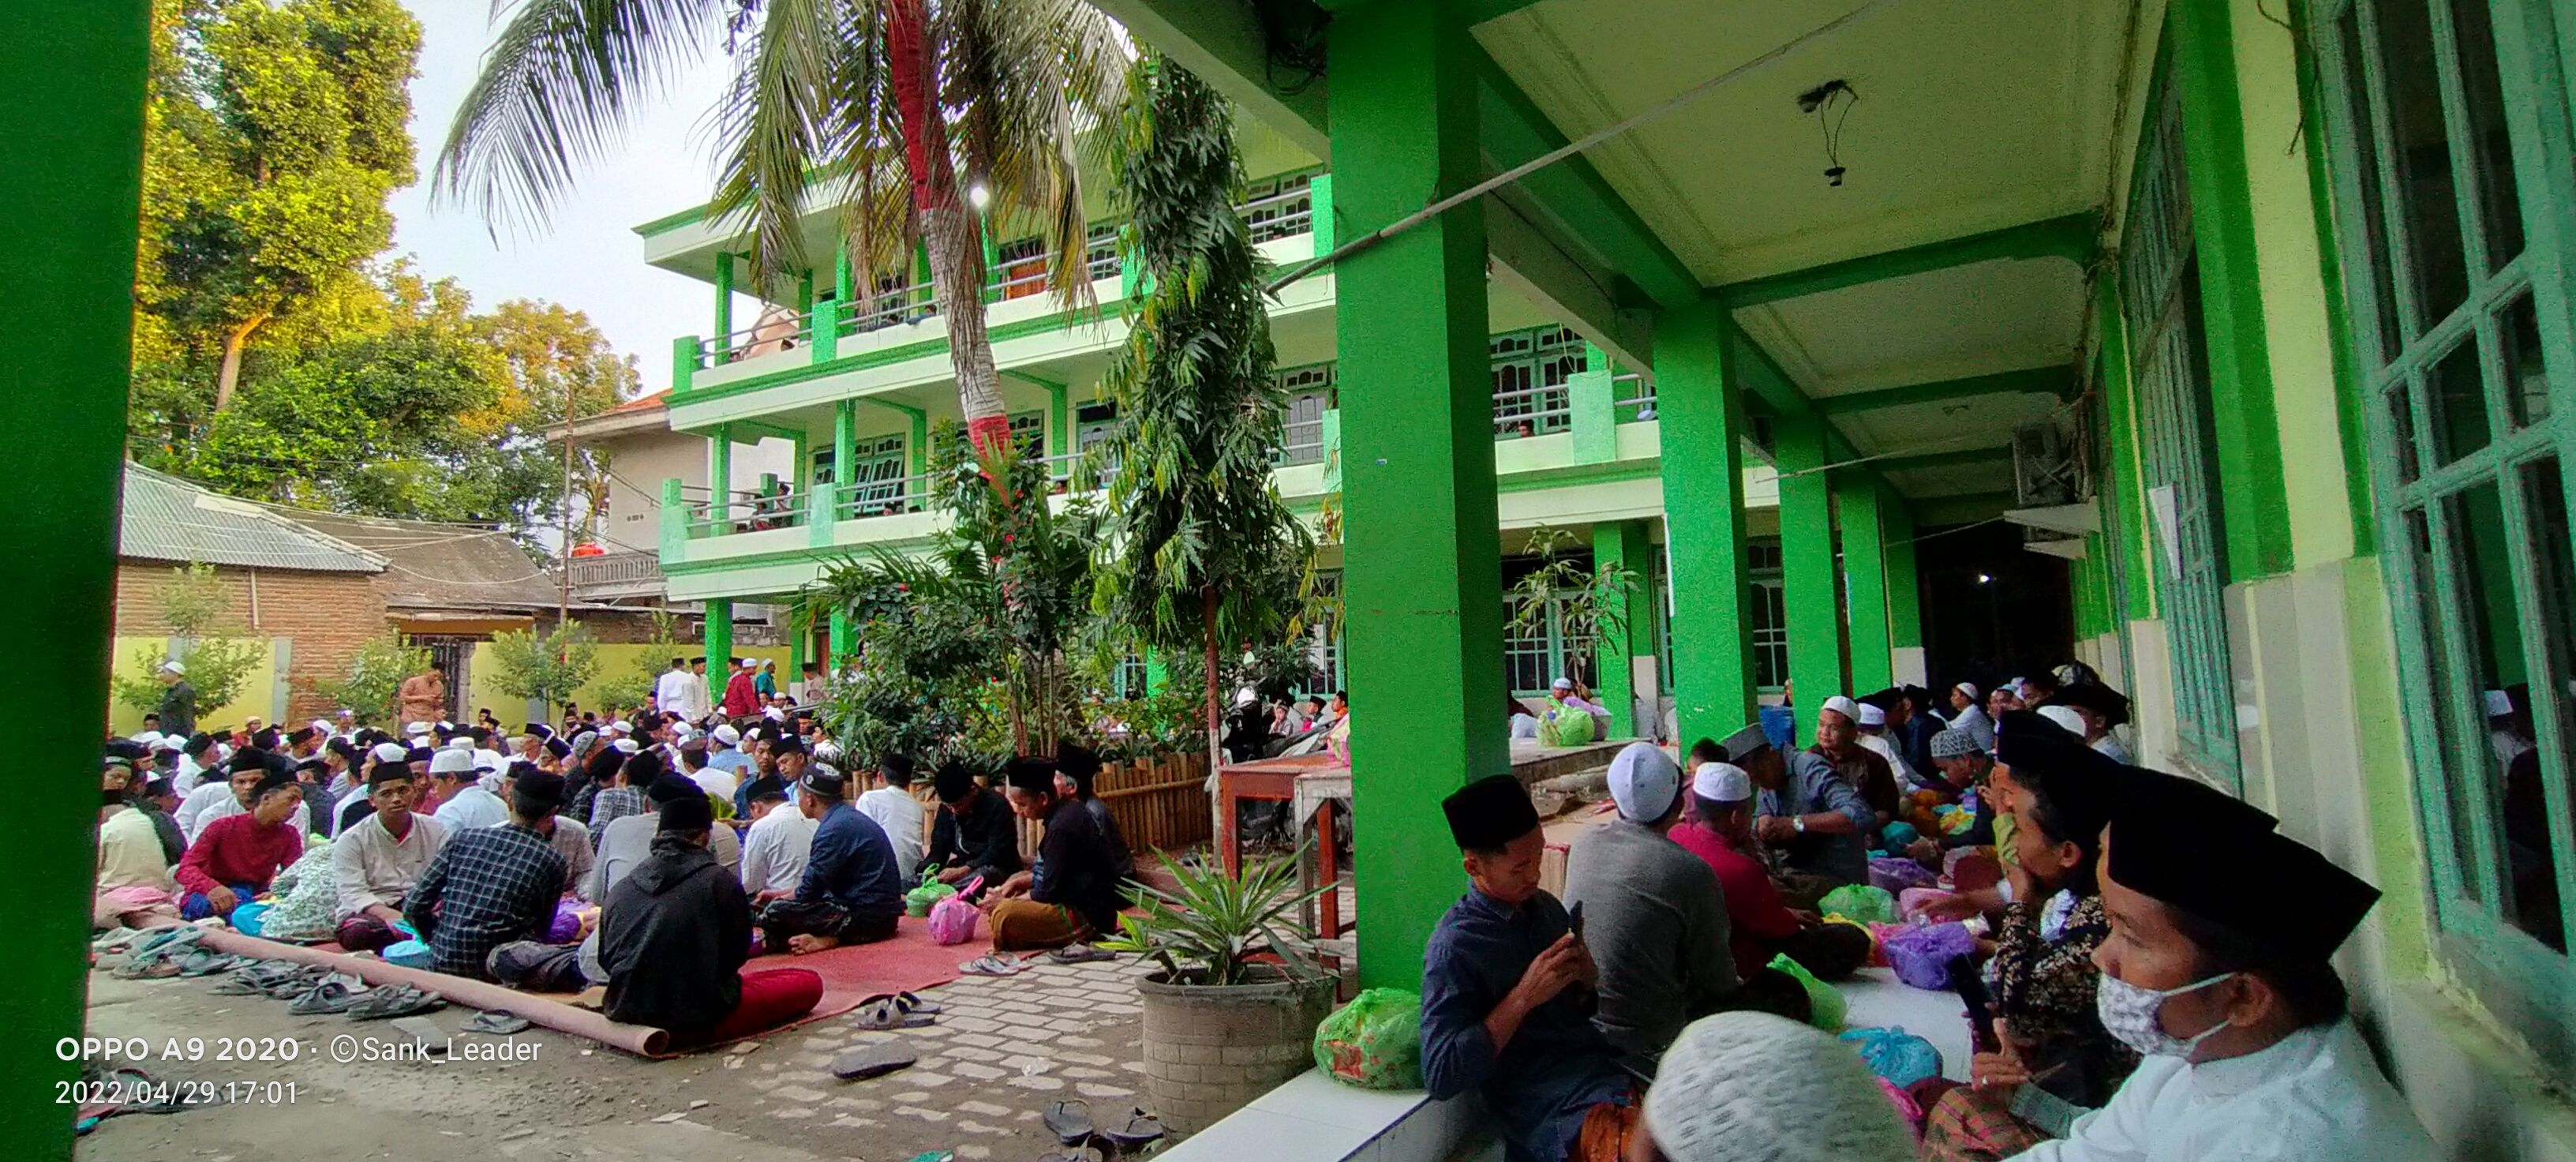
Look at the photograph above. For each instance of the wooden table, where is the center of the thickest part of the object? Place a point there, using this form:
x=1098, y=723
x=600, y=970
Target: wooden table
x=1309, y=784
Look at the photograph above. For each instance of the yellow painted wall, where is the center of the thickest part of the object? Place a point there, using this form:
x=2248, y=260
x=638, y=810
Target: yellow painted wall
x=615, y=661
x=139, y=656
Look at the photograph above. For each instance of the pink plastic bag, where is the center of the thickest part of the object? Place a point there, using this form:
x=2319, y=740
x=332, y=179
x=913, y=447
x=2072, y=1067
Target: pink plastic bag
x=1911, y=902
x=952, y=920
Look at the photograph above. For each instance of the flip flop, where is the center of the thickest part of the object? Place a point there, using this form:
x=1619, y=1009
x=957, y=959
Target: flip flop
x=323, y=999
x=992, y=966
x=888, y=1014
x=1137, y=1129
x=395, y=1001
x=115, y=939
x=877, y=1060
x=911, y=1002
x=207, y=962
x=166, y=1100
x=1080, y=954
x=164, y=941
x=495, y=1024
x=1069, y=1121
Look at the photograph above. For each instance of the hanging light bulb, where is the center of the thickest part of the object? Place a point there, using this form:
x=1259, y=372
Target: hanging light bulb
x=979, y=197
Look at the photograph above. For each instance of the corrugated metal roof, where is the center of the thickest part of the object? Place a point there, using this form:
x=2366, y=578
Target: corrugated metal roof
x=441, y=566
x=166, y=519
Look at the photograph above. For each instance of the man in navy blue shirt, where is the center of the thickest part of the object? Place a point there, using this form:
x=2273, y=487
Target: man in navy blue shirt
x=1507, y=998
x=851, y=892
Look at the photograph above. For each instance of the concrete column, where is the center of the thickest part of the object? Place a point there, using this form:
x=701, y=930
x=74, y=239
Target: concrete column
x=719, y=640
x=1623, y=545
x=840, y=641
x=1703, y=427
x=720, y=477
x=1595, y=422
x=724, y=304
x=1865, y=572
x=845, y=448
x=1422, y=579
x=1904, y=592
x=1807, y=566
x=71, y=121
x=1059, y=430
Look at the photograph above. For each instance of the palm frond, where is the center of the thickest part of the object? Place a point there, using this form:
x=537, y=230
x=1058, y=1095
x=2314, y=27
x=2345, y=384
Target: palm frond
x=557, y=87
x=775, y=114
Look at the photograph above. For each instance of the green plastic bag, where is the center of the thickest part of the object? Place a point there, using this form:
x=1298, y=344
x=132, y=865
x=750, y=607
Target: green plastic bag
x=1825, y=1008
x=1862, y=902
x=1565, y=728
x=1374, y=1042
x=917, y=902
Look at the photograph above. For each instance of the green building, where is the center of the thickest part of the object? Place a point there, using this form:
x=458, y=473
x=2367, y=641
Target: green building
x=2243, y=310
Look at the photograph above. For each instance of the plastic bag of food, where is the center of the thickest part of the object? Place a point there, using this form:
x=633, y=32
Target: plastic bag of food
x=1861, y=902
x=1825, y=1007
x=1563, y=727
x=1896, y=1056
x=1374, y=1042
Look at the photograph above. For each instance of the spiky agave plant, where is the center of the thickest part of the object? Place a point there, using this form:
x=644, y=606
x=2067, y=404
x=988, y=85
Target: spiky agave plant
x=1207, y=929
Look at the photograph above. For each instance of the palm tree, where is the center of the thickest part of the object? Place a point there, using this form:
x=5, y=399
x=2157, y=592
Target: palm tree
x=891, y=109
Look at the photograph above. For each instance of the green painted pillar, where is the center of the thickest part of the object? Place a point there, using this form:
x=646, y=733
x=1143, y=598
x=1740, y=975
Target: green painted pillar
x=1806, y=566
x=1623, y=545
x=845, y=446
x=840, y=642
x=675, y=520
x=71, y=124
x=917, y=444
x=795, y=658
x=1594, y=423
x=1904, y=591
x=1059, y=433
x=719, y=640
x=724, y=304
x=684, y=362
x=1319, y=200
x=1158, y=675
x=720, y=477
x=844, y=285
x=1703, y=431
x=1865, y=573
x=1422, y=583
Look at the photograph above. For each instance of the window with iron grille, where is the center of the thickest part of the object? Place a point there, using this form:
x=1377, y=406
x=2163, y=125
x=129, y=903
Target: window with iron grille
x=1530, y=370
x=1280, y=207
x=2160, y=299
x=2442, y=163
x=1310, y=395
x=1100, y=253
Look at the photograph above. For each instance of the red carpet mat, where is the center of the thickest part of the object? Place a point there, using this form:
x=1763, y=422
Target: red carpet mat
x=909, y=962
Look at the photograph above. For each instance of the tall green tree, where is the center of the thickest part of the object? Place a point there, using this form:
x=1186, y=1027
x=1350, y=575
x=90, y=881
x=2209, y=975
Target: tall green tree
x=1201, y=553
x=908, y=105
x=275, y=131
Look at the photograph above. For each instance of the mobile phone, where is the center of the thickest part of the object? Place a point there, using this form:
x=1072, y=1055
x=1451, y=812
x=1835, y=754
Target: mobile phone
x=1971, y=988
x=1574, y=919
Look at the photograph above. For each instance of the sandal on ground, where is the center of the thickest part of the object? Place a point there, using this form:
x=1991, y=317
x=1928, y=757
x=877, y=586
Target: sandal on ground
x=164, y=1097
x=323, y=999
x=207, y=962
x=1136, y=1130
x=400, y=1000
x=497, y=1024
x=1080, y=954
x=887, y=1014
x=1069, y=1121
x=909, y=1002
x=993, y=966
x=877, y=1060
x=115, y=939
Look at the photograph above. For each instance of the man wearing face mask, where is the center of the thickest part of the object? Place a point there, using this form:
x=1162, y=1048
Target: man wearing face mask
x=2218, y=971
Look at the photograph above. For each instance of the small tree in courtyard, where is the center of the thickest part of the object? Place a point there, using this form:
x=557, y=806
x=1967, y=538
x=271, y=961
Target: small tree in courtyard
x=196, y=606
x=1200, y=554
x=547, y=669
x=375, y=673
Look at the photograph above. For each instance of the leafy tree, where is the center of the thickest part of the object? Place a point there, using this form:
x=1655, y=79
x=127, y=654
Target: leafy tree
x=906, y=105
x=1198, y=550
x=275, y=131
x=1587, y=601
x=196, y=605
x=629, y=688
x=375, y=673
x=547, y=669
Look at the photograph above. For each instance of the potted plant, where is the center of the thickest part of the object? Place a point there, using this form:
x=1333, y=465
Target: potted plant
x=1232, y=1011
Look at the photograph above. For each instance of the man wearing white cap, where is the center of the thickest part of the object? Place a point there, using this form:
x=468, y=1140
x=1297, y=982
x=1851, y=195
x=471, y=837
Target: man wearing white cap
x=1563, y=693
x=1873, y=738
x=1653, y=914
x=724, y=752
x=1759, y=925
x=1805, y=811
x=1968, y=713
x=1838, y=743
x=178, y=708
x=462, y=801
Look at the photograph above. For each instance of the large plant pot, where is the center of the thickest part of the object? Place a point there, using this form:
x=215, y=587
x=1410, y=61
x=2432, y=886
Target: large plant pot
x=1210, y=1050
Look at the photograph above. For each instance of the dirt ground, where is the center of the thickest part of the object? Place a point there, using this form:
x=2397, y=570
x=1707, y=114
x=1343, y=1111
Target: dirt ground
x=1005, y=1048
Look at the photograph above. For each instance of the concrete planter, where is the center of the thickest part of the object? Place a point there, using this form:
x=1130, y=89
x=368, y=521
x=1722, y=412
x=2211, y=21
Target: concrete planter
x=1209, y=1051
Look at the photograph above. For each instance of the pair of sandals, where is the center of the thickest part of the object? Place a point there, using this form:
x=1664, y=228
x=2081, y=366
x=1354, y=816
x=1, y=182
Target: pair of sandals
x=393, y=1000
x=994, y=964
x=1071, y=1123
x=158, y=953
x=283, y=979
x=897, y=1010
x=335, y=992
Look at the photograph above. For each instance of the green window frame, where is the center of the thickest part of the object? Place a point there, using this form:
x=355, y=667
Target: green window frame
x=2450, y=153
x=2159, y=279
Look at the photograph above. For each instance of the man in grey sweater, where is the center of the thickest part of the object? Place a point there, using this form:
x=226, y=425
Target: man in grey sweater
x=1651, y=912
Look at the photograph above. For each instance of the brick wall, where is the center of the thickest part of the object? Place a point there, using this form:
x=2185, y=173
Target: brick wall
x=325, y=615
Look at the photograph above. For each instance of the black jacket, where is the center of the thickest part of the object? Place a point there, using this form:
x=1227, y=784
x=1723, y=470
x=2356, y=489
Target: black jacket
x=986, y=839
x=1075, y=868
x=673, y=937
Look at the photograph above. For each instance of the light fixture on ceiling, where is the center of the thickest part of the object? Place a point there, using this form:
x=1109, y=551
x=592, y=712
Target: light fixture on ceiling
x=979, y=197
x=1985, y=578
x=1821, y=101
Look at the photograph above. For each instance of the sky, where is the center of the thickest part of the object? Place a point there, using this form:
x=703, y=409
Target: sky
x=585, y=255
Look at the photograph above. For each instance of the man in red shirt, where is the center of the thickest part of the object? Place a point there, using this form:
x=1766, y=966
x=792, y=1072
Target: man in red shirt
x=1759, y=924
x=236, y=856
x=741, y=697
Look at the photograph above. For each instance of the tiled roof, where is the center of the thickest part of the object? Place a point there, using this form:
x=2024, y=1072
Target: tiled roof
x=442, y=566
x=167, y=519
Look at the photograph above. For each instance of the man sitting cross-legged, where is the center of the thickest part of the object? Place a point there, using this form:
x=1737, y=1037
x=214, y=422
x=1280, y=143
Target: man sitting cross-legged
x=235, y=857
x=1071, y=893
x=1507, y=998
x=377, y=860
x=851, y=892
x=1759, y=926
x=489, y=886
x=673, y=938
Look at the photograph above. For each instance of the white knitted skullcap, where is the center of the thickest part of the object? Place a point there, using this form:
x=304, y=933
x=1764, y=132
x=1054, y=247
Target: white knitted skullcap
x=1751, y=1087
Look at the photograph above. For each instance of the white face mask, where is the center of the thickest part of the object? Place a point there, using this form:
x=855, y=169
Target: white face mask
x=2131, y=1014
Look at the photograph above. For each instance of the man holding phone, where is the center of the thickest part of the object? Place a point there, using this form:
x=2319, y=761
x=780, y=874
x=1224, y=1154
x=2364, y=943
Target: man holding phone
x=1507, y=994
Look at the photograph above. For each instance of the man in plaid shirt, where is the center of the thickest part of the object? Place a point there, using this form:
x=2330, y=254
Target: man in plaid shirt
x=491, y=885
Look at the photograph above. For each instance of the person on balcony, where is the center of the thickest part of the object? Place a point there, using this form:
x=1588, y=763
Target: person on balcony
x=1508, y=993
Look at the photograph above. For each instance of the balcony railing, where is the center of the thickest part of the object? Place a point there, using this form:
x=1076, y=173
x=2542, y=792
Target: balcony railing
x=739, y=511
x=1303, y=443
x=1532, y=411
x=894, y=497
x=1635, y=396
x=1281, y=215
x=622, y=570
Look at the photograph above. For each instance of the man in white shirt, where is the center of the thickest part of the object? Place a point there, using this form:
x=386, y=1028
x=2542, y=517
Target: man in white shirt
x=2217, y=971
x=675, y=690
x=226, y=791
x=1872, y=730
x=698, y=768
x=375, y=862
x=774, y=850
x=197, y=757
x=891, y=804
x=463, y=801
